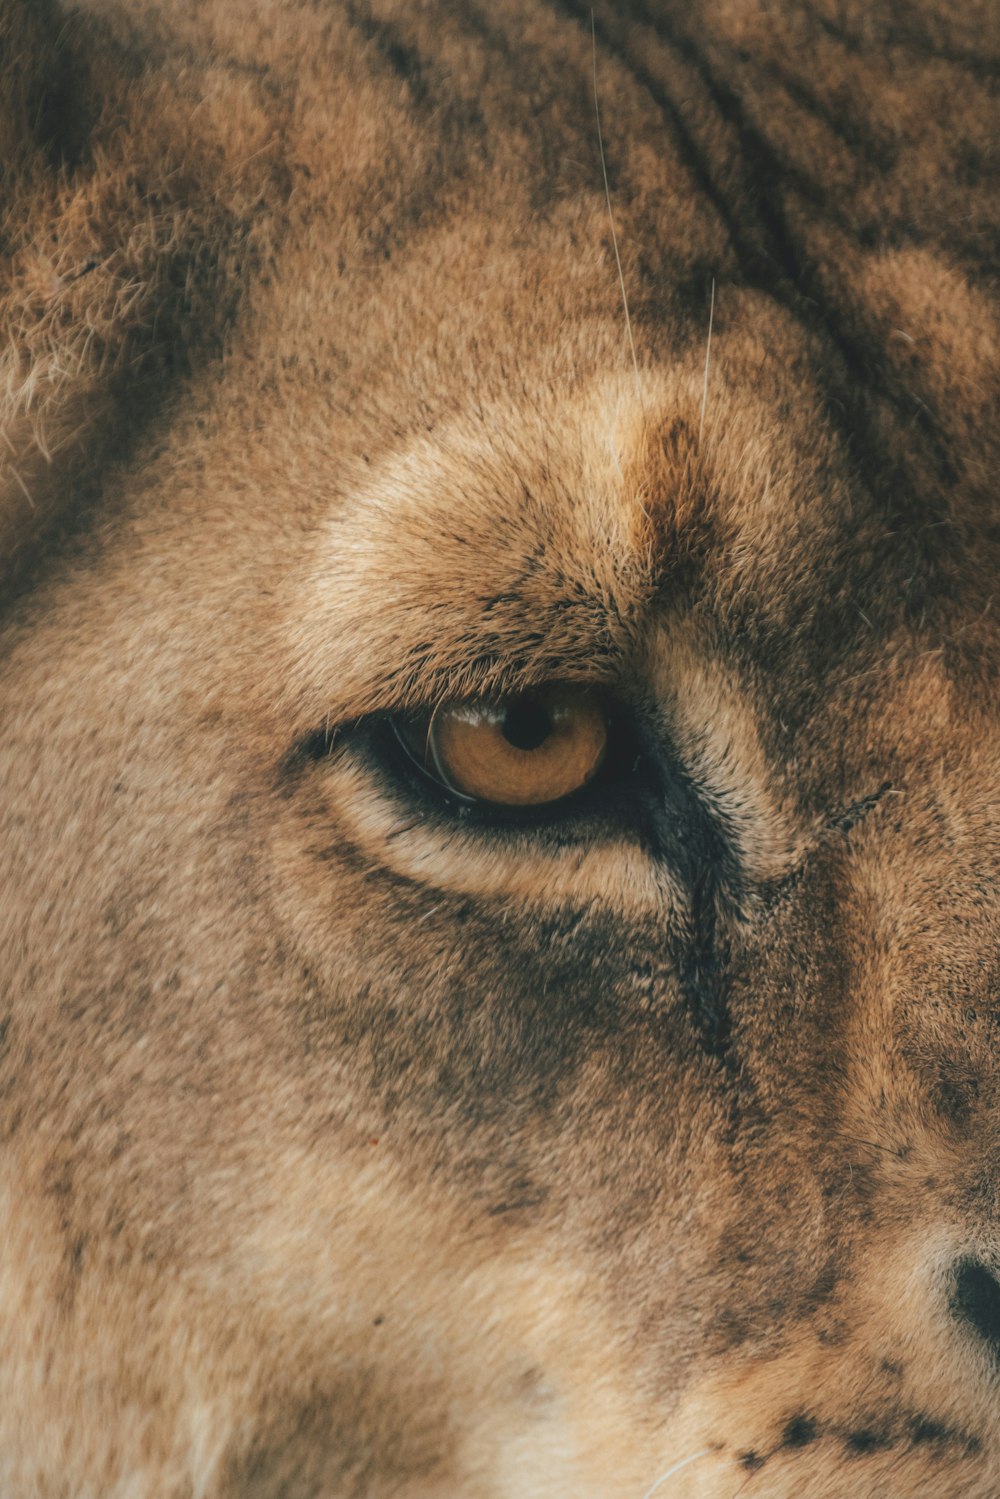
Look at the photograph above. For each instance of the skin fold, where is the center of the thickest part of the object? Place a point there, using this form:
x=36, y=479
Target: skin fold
x=359, y=1141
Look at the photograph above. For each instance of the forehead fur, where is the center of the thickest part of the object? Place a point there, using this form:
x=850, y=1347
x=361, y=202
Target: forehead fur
x=519, y=542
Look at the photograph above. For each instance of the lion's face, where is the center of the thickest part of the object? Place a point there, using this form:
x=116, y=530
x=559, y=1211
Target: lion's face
x=501, y=839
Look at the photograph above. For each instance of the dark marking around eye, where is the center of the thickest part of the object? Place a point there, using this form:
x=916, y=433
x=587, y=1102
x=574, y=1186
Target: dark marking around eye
x=310, y=749
x=976, y=1300
x=692, y=838
x=317, y=745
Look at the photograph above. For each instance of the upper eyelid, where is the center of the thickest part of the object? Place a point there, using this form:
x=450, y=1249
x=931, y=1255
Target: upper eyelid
x=479, y=683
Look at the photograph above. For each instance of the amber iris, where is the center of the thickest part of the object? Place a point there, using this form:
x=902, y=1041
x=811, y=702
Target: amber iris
x=519, y=751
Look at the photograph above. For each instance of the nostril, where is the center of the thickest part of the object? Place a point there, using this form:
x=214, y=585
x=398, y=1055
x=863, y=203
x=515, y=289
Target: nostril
x=976, y=1300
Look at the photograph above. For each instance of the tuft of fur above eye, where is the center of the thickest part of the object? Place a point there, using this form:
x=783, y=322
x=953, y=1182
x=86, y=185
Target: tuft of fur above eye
x=527, y=750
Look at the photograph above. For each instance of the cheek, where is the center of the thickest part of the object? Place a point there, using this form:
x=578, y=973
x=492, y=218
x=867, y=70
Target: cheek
x=477, y=1003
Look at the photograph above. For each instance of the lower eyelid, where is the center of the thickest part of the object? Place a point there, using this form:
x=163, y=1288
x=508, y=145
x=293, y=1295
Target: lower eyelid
x=387, y=825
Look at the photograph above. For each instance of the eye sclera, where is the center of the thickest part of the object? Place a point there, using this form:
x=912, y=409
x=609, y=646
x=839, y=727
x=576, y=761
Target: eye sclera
x=531, y=749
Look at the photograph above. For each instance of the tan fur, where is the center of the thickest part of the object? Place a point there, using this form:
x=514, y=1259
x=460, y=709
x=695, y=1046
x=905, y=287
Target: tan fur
x=355, y=1148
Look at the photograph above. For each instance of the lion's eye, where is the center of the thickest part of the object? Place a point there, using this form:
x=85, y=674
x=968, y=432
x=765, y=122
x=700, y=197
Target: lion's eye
x=519, y=751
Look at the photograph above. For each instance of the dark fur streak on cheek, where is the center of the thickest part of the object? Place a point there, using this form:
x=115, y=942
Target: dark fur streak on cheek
x=799, y=1432
x=859, y=1443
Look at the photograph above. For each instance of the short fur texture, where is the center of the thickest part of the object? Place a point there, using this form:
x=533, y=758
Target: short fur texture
x=355, y=1148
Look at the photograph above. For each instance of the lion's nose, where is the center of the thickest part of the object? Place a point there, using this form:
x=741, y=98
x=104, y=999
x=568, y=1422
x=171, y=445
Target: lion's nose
x=976, y=1300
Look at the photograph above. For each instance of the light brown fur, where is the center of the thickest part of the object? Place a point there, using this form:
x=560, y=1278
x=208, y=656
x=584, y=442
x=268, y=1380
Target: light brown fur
x=351, y=1148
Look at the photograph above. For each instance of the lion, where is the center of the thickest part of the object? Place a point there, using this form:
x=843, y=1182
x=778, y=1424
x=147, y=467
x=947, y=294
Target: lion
x=500, y=805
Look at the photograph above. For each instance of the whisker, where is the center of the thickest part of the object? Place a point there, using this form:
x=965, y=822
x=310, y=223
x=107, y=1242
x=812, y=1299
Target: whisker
x=23, y=487
x=898, y=1155
x=400, y=829
x=708, y=356
x=684, y=1463
x=611, y=217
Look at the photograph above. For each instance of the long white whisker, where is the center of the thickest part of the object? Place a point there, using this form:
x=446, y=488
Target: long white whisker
x=611, y=217
x=708, y=355
x=684, y=1463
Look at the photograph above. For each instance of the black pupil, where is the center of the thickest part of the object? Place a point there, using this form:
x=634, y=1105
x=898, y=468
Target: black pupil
x=526, y=724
